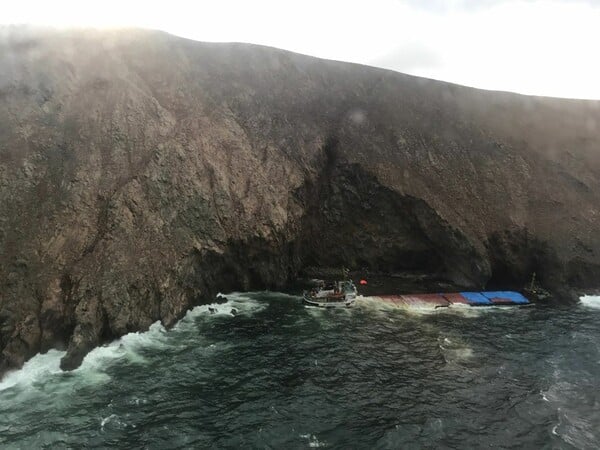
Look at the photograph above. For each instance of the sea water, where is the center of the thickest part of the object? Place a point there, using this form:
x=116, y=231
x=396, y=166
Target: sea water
x=262, y=371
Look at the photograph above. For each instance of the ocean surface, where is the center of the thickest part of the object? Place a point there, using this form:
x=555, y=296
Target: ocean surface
x=262, y=371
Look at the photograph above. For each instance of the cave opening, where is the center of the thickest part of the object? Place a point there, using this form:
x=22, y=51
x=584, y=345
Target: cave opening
x=353, y=221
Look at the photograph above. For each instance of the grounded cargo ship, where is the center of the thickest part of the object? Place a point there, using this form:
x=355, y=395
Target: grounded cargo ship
x=491, y=298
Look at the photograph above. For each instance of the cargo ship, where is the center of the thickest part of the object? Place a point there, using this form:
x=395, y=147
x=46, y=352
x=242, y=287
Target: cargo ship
x=445, y=300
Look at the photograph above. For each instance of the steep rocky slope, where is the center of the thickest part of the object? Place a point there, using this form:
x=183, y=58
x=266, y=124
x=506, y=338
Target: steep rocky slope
x=140, y=173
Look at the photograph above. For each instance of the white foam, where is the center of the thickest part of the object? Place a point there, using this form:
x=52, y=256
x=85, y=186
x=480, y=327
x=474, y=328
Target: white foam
x=374, y=305
x=454, y=349
x=130, y=346
x=114, y=421
x=591, y=301
x=244, y=303
x=313, y=442
x=156, y=337
x=92, y=370
x=38, y=367
x=424, y=309
x=127, y=347
x=237, y=303
x=42, y=368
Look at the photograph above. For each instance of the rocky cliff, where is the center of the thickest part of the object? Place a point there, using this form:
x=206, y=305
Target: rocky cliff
x=140, y=173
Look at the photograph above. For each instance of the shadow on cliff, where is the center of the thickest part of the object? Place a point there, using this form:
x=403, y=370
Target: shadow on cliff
x=517, y=258
x=353, y=221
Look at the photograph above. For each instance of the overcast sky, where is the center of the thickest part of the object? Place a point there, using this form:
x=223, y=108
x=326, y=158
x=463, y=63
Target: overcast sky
x=532, y=47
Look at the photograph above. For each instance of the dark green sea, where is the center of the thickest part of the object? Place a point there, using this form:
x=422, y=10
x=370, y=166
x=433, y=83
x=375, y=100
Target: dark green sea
x=275, y=374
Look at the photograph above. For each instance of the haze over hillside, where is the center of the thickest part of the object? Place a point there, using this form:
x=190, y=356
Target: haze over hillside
x=540, y=47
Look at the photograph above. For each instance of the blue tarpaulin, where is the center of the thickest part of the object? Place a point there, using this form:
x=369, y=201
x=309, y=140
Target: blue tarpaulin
x=476, y=298
x=514, y=297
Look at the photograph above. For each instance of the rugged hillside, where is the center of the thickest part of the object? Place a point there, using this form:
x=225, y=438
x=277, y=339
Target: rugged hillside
x=140, y=173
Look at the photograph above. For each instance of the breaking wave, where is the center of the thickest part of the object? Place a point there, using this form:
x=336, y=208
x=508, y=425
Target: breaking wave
x=39, y=367
x=591, y=301
x=44, y=369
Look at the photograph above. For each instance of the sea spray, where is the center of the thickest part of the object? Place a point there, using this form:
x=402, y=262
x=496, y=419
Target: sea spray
x=591, y=301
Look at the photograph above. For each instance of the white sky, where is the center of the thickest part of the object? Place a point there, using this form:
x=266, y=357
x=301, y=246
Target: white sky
x=532, y=47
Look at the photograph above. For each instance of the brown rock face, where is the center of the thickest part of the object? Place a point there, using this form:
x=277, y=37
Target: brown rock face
x=140, y=173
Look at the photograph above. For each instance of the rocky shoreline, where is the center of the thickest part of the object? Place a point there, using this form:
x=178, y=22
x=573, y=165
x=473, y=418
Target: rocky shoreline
x=141, y=173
